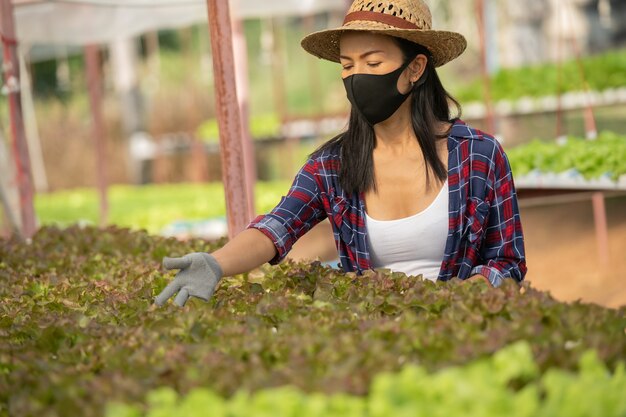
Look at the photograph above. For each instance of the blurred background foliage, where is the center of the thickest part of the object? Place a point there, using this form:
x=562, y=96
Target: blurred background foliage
x=177, y=95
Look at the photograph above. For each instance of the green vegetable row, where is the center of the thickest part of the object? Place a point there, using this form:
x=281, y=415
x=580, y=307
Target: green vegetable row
x=602, y=72
x=605, y=155
x=78, y=328
x=505, y=384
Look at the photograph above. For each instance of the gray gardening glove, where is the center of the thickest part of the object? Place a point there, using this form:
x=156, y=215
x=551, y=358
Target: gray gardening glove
x=198, y=277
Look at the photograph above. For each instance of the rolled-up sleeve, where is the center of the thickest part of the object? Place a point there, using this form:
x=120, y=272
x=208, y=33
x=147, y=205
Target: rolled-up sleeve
x=296, y=213
x=502, y=250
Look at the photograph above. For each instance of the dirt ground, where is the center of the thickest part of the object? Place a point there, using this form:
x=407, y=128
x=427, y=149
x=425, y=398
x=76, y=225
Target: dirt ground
x=561, y=249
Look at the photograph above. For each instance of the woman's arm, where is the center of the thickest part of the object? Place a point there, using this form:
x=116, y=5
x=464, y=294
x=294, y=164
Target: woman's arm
x=296, y=213
x=267, y=238
x=247, y=250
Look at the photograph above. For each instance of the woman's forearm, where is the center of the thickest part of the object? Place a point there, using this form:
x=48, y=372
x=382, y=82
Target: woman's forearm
x=246, y=251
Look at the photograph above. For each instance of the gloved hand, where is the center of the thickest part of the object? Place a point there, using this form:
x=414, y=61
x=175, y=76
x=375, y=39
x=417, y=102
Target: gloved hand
x=198, y=276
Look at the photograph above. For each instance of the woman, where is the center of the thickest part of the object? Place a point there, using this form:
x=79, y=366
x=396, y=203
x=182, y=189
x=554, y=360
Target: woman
x=405, y=187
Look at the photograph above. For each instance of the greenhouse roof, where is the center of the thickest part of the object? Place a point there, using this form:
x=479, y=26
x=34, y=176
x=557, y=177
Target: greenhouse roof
x=81, y=22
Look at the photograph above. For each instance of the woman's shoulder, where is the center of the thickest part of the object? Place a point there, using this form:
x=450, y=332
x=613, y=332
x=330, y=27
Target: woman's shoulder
x=328, y=152
x=475, y=140
x=322, y=166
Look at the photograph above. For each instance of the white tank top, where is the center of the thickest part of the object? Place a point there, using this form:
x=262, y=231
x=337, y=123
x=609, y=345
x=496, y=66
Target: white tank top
x=414, y=245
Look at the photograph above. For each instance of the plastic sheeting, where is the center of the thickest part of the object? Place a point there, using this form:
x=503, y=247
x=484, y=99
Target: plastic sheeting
x=81, y=22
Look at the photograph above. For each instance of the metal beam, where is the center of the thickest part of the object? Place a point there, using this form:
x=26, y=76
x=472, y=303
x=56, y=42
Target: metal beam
x=11, y=87
x=92, y=61
x=239, y=208
x=479, y=6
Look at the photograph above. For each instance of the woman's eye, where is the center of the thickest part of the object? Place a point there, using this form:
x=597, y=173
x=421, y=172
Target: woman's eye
x=373, y=64
x=347, y=67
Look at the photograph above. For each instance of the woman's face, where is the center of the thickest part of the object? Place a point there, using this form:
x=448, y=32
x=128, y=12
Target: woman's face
x=369, y=53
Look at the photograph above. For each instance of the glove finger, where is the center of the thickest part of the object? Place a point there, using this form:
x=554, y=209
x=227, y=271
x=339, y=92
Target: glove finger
x=176, y=263
x=182, y=297
x=170, y=290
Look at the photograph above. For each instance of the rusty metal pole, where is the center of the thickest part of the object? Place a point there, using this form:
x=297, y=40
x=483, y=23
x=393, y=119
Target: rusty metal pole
x=11, y=86
x=240, y=52
x=314, y=72
x=229, y=118
x=602, y=228
x=480, y=18
x=279, y=62
x=279, y=89
x=92, y=61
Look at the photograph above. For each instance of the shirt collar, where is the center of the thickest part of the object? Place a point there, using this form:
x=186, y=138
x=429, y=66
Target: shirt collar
x=459, y=131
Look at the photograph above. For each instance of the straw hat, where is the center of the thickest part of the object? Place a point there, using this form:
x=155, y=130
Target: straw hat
x=408, y=19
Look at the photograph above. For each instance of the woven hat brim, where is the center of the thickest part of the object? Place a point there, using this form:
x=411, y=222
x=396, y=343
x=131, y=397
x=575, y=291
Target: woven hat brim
x=443, y=45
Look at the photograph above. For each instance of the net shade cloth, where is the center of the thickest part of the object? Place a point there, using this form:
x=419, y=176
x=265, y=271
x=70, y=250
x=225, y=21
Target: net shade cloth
x=81, y=22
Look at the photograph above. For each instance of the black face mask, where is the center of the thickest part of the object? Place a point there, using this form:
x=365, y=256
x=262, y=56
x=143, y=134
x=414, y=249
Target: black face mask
x=376, y=97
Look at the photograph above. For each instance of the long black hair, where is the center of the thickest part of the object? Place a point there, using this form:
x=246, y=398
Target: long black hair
x=429, y=105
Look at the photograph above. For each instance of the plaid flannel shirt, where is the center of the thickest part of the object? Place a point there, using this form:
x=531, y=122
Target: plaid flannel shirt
x=484, y=234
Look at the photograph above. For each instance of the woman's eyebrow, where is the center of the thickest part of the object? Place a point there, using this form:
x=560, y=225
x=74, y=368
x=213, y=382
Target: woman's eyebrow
x=363, y=55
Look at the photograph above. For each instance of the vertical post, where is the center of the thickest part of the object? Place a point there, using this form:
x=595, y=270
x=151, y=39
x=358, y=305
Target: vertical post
x=314, y=71
x=238, y=205
x=602, y=230
x=560, y=130
x=10, y=224
x=602, y=235
x=154, y=60
x=278, y=62
x=11, y=76
x=199, y=168
x=590, y=120
x=480, y=18
x=591, y=129
x=40, y=179
x=92, y=60
x=240, y=52
x=561, y=135
x=123, y=53
x=490, y=14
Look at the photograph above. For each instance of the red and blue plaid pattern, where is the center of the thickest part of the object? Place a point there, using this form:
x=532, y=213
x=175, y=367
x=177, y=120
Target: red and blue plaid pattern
x=484, y=235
